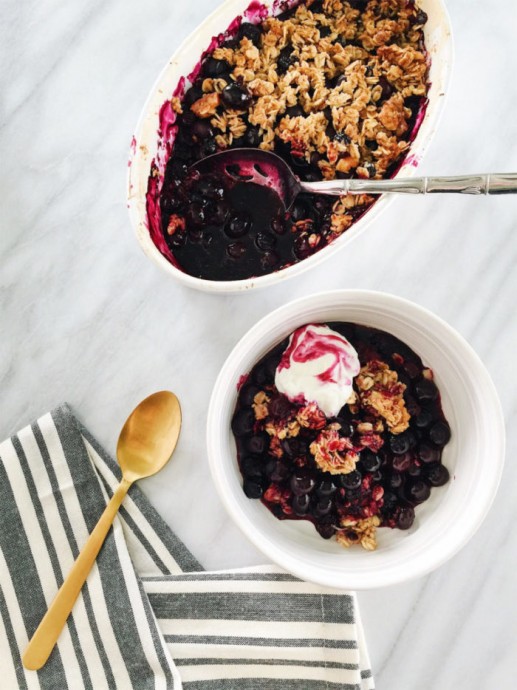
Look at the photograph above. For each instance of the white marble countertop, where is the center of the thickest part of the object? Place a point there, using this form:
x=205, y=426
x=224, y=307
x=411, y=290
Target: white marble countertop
x=86, y=318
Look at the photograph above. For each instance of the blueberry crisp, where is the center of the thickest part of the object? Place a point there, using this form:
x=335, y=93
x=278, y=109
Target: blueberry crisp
x=335, y=87
x=341, y=425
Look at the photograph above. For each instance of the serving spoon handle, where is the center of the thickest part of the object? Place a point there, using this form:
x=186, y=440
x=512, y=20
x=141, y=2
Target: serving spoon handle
x=492, y=183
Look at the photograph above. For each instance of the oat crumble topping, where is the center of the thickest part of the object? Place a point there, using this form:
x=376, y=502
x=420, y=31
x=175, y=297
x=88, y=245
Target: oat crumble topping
x=334, y=453
x=348, y=74
x=260, y=402
x=361, y=532
x=381, y=391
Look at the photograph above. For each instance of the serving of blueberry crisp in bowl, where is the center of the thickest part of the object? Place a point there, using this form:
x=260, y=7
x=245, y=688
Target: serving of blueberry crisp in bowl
x=337, y=88
x=341, y=425
x=355, y=438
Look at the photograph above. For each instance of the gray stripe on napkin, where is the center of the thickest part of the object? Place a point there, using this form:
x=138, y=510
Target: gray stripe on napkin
x=260, y=641
x=261, y=607
x=65, y=520
x=159, y=648
x=268, y=684
x=20, y=563
x=217, y=661
x=118, y=602
x=224, y=577
x=49, y=544
x=6, y=618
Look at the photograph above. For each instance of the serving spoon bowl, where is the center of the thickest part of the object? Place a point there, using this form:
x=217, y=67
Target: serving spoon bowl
x=146, y=443
x=267, y=169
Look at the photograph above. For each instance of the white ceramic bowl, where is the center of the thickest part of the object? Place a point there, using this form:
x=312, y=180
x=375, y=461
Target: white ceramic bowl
x=474, y=456
x=148, y=146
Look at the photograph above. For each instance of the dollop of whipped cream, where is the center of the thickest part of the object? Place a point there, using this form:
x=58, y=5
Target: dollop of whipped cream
x=318, y=366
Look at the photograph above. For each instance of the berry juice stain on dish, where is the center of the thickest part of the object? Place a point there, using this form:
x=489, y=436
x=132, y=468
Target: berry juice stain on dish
x=263, y=86
x=341, y=425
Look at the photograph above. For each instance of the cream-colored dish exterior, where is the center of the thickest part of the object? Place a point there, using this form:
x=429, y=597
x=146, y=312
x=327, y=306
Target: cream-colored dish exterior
x=474, y=456
x=145, y=145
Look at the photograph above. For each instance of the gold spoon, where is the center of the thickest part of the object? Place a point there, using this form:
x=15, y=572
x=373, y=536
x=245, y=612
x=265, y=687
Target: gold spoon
x=145, y=444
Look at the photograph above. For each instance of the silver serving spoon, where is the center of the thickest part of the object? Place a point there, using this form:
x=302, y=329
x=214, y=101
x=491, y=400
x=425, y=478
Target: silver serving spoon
x=268, y=169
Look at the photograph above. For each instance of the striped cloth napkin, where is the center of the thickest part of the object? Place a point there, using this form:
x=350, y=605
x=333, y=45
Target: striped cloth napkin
x=149, y=617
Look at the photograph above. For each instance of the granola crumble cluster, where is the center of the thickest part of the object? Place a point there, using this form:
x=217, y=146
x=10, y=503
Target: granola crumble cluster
x=366, y=468
x=346, y=68
x=335, y=87
x=381, y=391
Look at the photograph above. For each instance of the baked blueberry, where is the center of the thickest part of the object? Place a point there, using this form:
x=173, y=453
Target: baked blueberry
x=426, y=390
x=269, y=260
x=389, y=502
x=215, y=68
x=437, y=474
x=235, y=96
x=428, y=453
x=260, y=375
x=301, y=503
x=395, y=480
x=326, y=488
x=252, y=489
x=301, y=484
x=258, y=443
x=243, y=422
x=252, y=468
x=201, y=129
x=291, y=447
x=265, y=240
x=370, y=462
x=279, y=407
x=400, y=443
x=417, y=491
x=401, y=463
x=238, y=225
x=325, y=529
x=278, y=225
x=347, y=428
x=352, y=480
x=406, y=517
x=284, y=59
x=193, y=94
x=387, y=89
x=440, y=433
x=424, y=419
x=280, y=472
x=251, y=31
x=236, y=250
x=415, y=469
x=196, y=216
x=248, y=393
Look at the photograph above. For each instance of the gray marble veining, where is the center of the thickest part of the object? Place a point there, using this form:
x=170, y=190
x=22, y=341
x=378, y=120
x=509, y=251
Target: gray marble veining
x=84, y=317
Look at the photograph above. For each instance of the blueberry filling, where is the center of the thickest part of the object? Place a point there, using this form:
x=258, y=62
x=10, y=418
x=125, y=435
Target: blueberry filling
x=394, y=472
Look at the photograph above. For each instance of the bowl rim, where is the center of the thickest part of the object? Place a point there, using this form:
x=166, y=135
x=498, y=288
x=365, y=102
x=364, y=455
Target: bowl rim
x=217, y=461
x=138, y=211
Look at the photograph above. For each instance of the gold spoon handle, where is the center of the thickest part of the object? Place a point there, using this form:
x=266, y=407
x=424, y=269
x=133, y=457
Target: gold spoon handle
x=53, y=622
